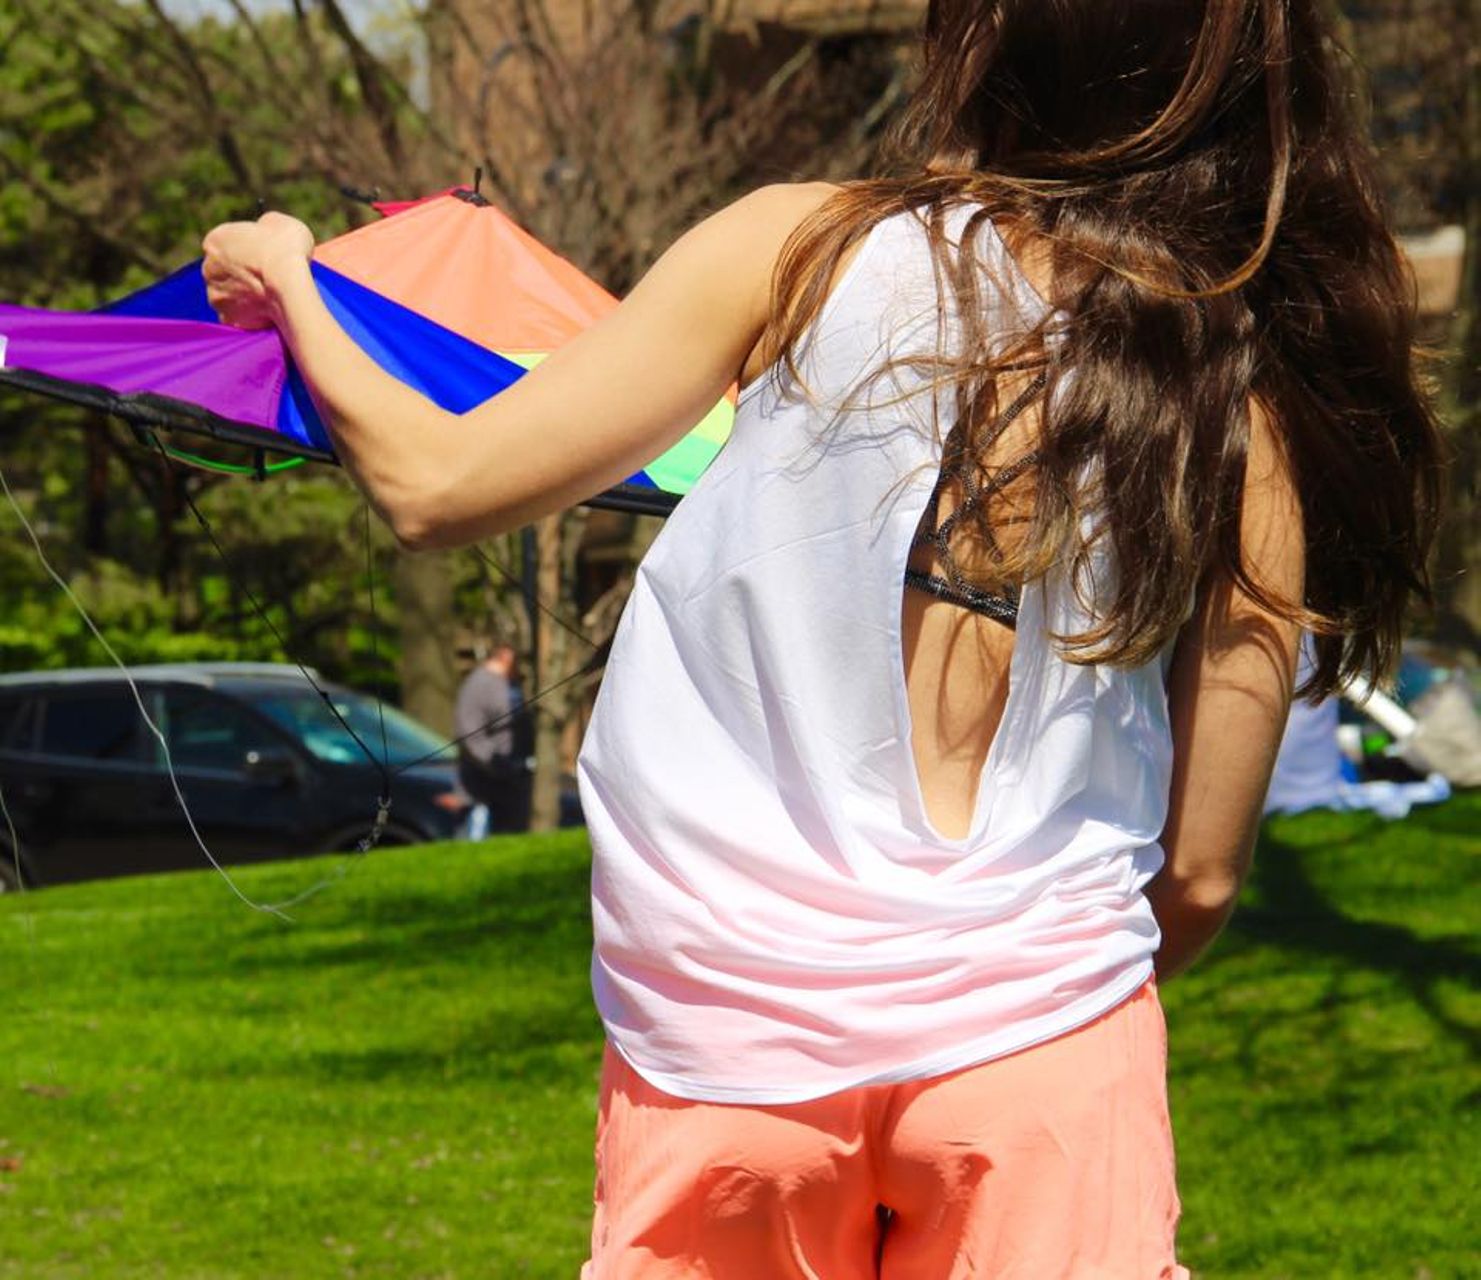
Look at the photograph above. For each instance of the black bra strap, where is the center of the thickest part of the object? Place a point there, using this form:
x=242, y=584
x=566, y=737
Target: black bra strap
x=998, y=608
x=936, y=533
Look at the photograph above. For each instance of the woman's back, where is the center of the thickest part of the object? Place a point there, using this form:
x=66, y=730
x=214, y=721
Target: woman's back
x=872, y=851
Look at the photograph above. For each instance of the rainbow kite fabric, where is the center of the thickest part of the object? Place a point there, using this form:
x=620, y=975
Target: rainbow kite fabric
x=446, y=293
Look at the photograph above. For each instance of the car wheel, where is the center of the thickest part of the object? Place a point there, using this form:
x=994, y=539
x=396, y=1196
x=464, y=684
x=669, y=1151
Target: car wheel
x=394, y=835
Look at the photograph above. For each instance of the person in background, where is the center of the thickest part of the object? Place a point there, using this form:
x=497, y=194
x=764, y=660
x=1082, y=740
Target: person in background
x=494, y=745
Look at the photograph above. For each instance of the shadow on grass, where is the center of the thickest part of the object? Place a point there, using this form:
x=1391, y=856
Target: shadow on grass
x=1444, y=819
x=520, y=934
x=1294, y=914
x=525, y=918
x=544, y=1046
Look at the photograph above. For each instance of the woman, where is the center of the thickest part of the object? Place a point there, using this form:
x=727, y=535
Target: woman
x=1120, y=359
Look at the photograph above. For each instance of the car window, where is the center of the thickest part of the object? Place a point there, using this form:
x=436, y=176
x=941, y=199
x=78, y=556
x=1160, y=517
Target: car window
x=383, y=729
x=102, y=725
x=212, y=733
x=16, y=719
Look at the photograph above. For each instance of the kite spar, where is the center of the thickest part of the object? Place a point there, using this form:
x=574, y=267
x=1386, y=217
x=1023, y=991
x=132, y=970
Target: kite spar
x=445, y=293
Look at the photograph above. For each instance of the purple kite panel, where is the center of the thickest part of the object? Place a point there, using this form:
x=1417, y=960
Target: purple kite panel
x=229, y=372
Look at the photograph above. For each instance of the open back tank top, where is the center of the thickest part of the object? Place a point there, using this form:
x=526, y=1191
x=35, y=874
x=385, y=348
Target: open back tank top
x=776, y=918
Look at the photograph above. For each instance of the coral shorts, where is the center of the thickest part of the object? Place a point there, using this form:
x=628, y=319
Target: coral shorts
x=1054, y=1163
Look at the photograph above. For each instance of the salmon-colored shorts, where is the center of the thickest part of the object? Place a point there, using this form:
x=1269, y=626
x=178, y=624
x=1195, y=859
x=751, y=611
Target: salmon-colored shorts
x=1054, y=1163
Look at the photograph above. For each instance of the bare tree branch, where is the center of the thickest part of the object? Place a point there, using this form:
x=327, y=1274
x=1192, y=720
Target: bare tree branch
x=371, y=77
x=85, y=220
x=226, y=140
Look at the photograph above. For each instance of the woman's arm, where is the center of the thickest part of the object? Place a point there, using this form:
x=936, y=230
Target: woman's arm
x=1229, y=693
x=606, y=403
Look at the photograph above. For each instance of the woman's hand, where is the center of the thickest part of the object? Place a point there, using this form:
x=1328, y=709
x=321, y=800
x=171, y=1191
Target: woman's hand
x=242, y=260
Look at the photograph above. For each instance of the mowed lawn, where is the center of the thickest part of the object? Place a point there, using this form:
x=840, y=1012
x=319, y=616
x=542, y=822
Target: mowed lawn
x=402, y=1082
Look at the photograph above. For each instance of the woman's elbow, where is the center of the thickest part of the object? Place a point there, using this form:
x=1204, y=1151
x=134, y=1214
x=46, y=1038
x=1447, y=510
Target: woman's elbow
x=1209, y=895
x=413, y=534
x=420, y=527
x=413, y=515
x=429, y=520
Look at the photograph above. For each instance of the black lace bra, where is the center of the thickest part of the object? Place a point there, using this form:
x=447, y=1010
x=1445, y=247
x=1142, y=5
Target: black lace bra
x=958, y=465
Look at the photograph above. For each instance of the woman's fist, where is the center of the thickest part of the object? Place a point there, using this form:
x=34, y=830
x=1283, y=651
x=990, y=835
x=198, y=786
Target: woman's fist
x=242, y=260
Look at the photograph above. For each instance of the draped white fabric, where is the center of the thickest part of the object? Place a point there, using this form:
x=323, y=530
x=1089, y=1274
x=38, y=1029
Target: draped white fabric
x=776, y=918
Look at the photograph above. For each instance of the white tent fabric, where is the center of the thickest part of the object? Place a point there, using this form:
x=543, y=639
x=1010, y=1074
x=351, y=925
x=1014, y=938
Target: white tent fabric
x=1309, y=768
x=1447, y=738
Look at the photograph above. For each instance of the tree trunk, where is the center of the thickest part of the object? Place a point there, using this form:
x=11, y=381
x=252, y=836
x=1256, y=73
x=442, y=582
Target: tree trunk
x=423, y=587
x=438, y=35
x=1458, y=557
x=548, y=664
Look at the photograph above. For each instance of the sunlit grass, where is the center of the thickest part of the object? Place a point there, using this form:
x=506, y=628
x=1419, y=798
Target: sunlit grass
x=402, y=1082
x=1324, y=1057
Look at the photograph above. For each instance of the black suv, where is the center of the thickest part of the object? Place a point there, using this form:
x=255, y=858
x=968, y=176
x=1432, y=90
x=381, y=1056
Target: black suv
x=265, y=769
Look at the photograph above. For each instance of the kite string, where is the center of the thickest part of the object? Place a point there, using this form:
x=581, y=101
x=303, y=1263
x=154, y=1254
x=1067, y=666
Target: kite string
x=378, y=824
x=15, y=844
x=15, y=854
x=269, y=908
x=234, y=577
x=544, y=608
x=594, y=663
x=383, y=804
x=27, y=915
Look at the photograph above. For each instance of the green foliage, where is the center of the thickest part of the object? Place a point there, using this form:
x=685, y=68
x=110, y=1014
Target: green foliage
x=126, y=132
x=122, y=142
x=42, y=633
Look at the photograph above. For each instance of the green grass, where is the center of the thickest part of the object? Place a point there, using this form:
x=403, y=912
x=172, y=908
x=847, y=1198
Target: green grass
x=402, y=1082
x=1324, y=1073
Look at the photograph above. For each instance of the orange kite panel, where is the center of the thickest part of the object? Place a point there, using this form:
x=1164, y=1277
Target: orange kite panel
x=472, y=269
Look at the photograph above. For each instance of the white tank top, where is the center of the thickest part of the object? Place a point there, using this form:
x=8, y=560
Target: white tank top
x=776, y=918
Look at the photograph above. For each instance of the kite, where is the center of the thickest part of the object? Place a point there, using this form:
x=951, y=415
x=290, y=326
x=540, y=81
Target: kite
x=445, y=293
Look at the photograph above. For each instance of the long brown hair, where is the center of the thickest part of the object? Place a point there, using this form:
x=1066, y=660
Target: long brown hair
x=1202, y=184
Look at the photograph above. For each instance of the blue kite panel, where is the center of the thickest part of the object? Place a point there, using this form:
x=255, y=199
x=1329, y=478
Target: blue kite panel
x=181, y=295
x=452, y=371
x=298, y=416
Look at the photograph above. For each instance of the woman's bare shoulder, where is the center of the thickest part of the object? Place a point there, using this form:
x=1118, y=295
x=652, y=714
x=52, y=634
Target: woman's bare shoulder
x=770, y=214
x=738, y=247
x=790, y=201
